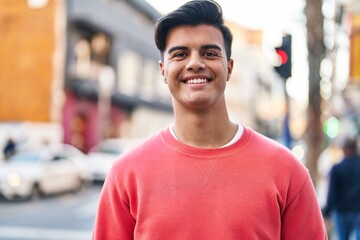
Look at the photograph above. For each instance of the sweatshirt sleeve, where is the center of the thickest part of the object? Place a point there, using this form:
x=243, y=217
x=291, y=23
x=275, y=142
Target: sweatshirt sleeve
x=302, y=216
x=113, y=219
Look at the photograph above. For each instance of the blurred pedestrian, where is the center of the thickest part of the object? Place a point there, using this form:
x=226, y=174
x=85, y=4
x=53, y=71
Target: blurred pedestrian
x=343, y=199
x=9, y=148
x=204, y=176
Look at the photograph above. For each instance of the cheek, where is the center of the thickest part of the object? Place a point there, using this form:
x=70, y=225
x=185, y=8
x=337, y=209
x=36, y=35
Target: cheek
x=170, y=71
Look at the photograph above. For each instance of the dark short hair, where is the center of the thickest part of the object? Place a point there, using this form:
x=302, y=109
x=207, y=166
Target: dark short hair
x=193, y=13
x=350, y=144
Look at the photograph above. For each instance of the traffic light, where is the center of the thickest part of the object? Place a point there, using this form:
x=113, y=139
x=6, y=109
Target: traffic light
x=332, y=127
x=284, y=54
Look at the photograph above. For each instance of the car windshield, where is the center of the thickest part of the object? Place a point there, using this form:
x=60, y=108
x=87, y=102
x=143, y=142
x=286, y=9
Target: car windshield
x=27, y=157
x=109, y=149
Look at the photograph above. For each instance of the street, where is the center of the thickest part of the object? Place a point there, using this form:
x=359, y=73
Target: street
x=66, y=216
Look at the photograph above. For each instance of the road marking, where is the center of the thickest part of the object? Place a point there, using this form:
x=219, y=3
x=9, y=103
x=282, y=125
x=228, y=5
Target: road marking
x=29, y=233
x=87, y=210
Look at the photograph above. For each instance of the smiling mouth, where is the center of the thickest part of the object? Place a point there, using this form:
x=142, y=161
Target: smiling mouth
x=197, y=81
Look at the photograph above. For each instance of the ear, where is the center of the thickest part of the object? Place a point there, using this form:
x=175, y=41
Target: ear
x=161, y=66
x=230, y=68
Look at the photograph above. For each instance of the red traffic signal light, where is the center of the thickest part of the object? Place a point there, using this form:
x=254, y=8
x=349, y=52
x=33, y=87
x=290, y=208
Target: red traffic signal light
x=284, y=53
x=282, y=56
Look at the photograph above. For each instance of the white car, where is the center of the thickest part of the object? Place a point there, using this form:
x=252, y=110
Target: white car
x=49, y=170
x=103, y=155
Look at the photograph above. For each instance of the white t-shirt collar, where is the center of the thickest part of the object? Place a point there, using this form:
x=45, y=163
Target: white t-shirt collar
x=237, y=136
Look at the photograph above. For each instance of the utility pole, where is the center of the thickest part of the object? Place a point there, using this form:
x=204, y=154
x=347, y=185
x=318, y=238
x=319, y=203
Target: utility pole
x=316, y=53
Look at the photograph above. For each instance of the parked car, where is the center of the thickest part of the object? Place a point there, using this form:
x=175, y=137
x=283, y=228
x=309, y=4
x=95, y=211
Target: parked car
x=103, y=155
x=48, y=170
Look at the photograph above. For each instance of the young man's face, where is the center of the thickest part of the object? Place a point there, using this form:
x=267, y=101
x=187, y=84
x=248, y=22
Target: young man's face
x=195, y=66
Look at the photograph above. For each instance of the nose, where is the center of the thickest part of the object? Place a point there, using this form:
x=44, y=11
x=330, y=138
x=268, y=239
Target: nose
x=195, y=63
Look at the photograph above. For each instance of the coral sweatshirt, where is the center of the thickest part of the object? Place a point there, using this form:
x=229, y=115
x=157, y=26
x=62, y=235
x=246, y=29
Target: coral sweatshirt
x=252, y=189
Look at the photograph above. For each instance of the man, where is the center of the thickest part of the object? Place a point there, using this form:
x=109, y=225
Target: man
x=9, y=148
x=344, y=193
x=205, y=177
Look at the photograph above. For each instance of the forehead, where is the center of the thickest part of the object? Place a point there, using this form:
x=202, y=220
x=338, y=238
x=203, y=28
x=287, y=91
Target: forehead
x=188, y=36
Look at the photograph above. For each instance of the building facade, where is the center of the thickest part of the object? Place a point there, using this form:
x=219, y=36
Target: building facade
x=113, y=86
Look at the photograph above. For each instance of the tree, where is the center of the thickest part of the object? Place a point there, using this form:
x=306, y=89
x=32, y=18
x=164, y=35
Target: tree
x=316, y=53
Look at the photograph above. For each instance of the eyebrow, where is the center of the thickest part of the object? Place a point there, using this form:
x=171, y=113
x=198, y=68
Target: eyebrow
x=211, y=46
x=176, y=48
x=204, y=47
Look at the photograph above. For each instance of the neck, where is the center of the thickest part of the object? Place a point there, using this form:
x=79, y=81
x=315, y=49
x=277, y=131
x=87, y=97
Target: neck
x=206, y=130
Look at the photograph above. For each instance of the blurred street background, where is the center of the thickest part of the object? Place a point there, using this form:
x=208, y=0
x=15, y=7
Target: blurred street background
x=83, y=75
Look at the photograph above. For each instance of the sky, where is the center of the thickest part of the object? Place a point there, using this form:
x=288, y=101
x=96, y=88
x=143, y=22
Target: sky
x=255, y=14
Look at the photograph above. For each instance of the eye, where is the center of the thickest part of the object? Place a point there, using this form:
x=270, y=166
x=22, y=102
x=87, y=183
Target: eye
x=179, y=55
x=210, y=54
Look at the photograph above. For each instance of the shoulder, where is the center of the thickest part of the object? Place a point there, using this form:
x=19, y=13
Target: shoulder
x=139, y=154
x=275, y=157
x=269, y=147
x=144, y=146
x=137, y=163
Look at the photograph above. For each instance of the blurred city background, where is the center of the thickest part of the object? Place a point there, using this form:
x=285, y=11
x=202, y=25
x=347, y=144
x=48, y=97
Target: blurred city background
x=80, y=83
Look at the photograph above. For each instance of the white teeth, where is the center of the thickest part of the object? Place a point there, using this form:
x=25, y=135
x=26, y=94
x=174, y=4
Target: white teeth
x=198, y=80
